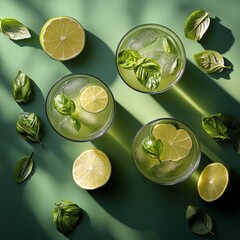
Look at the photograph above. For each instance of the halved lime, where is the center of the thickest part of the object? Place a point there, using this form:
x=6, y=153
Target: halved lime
x=213, y=182
x=91, y=169
x=62, y=38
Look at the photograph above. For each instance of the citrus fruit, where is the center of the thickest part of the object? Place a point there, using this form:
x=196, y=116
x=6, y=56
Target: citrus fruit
x=212, y=182
x=91, y=169
x=176, y=142
x=94, y=99
x=62, y=38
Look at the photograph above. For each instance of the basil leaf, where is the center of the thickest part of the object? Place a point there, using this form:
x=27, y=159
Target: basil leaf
x=196, y=24
x=210, y=61
x=152, y=147
x=215, y=128
x=23, y=168
x=14, y=29
x=64, y=105
x=128, y=59
x=227, y=119
x=199, y=221
x=29, y=127
x=21, y=88
x=66, y=216
x=75, y=121
x=148, y=73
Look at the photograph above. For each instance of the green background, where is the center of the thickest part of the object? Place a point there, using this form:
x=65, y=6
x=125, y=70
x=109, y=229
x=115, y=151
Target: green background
x=129, y=207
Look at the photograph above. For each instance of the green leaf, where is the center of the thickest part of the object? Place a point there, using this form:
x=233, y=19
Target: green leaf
x=29, y=127
x=148, y=73
x=66, y=216
x=128, y=59
x=210, y=61
x=152, y=147
x=14, y=29
x=21, y=88
x=64, y=105
x=75, y=121
x=196, y=24
x=23, y=168
x=199, y=221
x=227, y=119
x=215, y=128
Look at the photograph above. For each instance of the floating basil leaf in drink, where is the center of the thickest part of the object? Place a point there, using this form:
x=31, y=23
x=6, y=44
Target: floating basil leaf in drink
x=66, y=216
x=196, y=24
x=23, y=168
x=128, y=59
x=199, y=221
x=14, y=29
x=210, y=61
x=29, y=127
x=64, y=104
x=21, y=88
x=152, y=147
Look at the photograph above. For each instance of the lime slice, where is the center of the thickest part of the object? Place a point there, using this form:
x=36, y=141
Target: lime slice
x=94, y=99
x=62, y=38
x=91, y=169
x=213, y=182
x=176, y=142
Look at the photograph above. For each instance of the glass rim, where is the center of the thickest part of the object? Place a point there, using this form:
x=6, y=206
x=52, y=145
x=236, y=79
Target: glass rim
x=180, y=44
x=100, y=133
x=181, y=177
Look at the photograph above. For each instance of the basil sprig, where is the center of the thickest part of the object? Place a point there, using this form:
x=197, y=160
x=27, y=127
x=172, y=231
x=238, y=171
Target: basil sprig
x=65, y=106
x=210, y=61
x=23, y=168
x=14, y=29
x=66, y=216
x=199, y=221
x=221, y=127
x=21, y=88
x=152, y=147
x=129, y=59
x=29, y=127
x=196, y=24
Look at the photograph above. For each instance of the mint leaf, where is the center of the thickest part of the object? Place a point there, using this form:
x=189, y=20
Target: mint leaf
x=14, y=29
x=152, y=147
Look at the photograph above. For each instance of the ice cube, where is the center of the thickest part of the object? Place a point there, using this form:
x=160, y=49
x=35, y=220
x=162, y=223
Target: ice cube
x=66, y=124
x=165, y=168
x=143, y=39
x=74, y=86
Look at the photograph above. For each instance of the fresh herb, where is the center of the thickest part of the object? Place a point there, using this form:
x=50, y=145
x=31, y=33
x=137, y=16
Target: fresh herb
x=66, y=216
x=65, y=106
x=210, y=61
x=23, y=168
x=29, y=127
x=129, y=59
x=215, y=128
x=152, y=147
x=196, y=24
x=22, y=88
x=199, y=221
x=148, y=73
x=14, y=29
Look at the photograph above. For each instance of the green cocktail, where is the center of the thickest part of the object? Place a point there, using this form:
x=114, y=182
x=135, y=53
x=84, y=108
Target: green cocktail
x=166, y=151
x=80, y=107
x=150, y=58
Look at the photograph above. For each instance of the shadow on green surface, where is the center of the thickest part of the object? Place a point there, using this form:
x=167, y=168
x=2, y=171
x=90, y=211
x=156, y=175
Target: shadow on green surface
x=96, y=59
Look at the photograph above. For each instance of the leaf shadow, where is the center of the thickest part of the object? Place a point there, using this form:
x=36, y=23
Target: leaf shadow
x=33, y=41
x=218, y=37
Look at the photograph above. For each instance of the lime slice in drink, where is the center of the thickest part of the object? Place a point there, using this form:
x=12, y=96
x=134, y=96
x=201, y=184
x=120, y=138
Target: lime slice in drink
x=213, y=182
x=91, y=169
x=176, y=142
x=62, y=38
x=94, y=99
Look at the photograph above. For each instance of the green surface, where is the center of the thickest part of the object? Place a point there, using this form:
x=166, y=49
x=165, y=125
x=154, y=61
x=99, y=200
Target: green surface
x=129, y=207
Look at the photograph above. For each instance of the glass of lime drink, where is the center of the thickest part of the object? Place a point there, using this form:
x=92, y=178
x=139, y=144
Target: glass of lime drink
x=80, y=107
x=150, y=58
x=166, y=151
